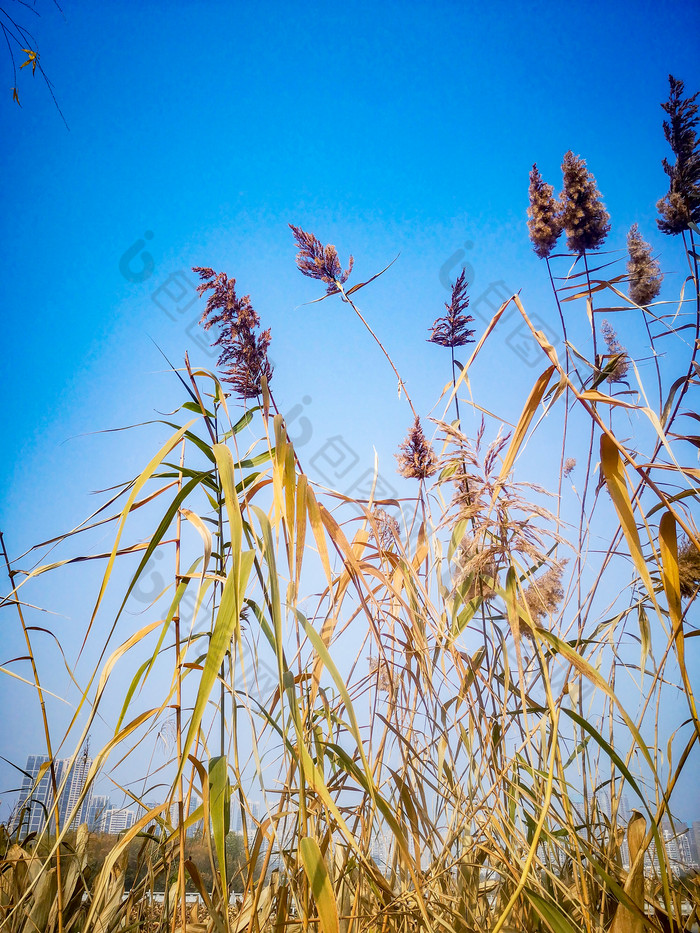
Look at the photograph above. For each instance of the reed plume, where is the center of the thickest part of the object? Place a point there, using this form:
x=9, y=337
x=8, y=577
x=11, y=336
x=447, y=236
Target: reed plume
x=544, y=594
x=615, y=351
x=243, y=356
x=584, y=217
x=503, y=522
x=689, y=569
x=681, y=205
x=451, y=330
x=544, y=215
x=417, y=459
x=319, y=261
x=644, y=271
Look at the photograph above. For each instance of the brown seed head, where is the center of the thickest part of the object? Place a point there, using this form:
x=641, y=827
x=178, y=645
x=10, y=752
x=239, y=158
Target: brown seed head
x=379, y=668
x=544, y=215
x=504, y=526
x=243, y=354
x=319, y=261
x=417, y=459
x=385, y=528
x=689, y=569
x=615, y=349
x=643, y=270
x=682, y=203
x=584, y=217
x=451, y=330
x=544, y=594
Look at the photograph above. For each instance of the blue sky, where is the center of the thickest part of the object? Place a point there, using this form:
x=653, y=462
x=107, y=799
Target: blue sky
x=399, y=128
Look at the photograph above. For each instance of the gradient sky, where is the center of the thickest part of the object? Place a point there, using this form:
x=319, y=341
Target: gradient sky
x=203, y=130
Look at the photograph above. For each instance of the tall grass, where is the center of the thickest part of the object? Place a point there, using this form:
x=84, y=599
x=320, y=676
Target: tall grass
x=473, y=673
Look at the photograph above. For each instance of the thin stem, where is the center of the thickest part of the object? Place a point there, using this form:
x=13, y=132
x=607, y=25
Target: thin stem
x=454, y=386
x=381, y=347
x=212, y=434
x=566, y=395
x=656, y=359
x=178, y=714
x=590, y=298
x=47, y=734
x=222, y=721
x=696, y=337
x=581, y=619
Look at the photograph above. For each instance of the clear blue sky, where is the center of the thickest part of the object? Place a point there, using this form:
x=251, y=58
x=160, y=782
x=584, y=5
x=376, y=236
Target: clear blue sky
x=384, y=128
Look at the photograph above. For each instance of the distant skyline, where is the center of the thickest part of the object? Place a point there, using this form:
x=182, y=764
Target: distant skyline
x=197, y=134
x=682, y=841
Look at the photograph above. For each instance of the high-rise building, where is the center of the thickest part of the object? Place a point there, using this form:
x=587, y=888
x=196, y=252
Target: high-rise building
x=115, y=821
x=74, y=790
x=695, y=841
x=253, y=810
x=381, y=849
x=99, y=805
x=676, y=841
x=604, y=802
x=35, y=804
x=194, y=803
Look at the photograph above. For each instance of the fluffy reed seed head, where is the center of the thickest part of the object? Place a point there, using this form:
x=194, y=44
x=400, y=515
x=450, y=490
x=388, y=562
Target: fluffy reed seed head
x=451, y=330
x=584, y=217
x=569, y=466
x=682, y=203
x=505, y=527
x=478, y=566
x=544, y=215
x=615, y=349
x=417, y=459
x=544, y=594
x=689, y=569
x=243, y=356
x=319, y=261
x=644, y=271
x=379, y=669
x=385, y=528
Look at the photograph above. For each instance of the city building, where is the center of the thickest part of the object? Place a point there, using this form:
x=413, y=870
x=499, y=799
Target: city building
x=604, y=803
x=74, y=789
x=676, y=839
x=695, y=841
x=194, y=803
x=254, y=810
x=115, y=821
x=99, y=806
x=381, y=849
x=105, y=818
x=36, y=805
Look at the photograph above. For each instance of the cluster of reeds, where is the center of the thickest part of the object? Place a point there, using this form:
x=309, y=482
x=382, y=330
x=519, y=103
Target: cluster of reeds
x=428, y=700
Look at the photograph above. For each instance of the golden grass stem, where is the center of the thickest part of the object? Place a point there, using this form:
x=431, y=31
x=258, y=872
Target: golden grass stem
x=47, y=731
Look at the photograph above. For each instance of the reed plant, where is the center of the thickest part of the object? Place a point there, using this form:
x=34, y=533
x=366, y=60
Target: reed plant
x=444, y=701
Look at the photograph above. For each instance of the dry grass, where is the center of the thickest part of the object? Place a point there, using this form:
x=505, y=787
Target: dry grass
x=403, y=698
